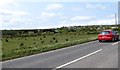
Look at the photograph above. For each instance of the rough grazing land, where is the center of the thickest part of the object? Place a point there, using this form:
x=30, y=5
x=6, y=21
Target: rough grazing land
x=22, y=46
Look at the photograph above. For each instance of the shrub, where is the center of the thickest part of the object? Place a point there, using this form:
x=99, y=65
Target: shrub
x=33, y=43
x=11, y=37
x=66, y=39
x=25, y=38
x=42, y=42
x=3, y=55
x=21, y=44
x=56, y=41
x=33, y=39
x=56, y=35
x=53, y=38
x=44, y=36
x=40, y=38
x=50, y=41
x=7, y=40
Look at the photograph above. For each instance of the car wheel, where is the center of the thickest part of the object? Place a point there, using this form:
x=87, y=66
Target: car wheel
x=100, y=40
x=117, y=39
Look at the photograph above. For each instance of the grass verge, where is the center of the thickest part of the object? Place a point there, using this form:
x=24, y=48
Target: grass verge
x=25, y=51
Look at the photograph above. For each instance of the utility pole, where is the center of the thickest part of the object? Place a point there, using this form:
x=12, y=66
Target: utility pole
x=116, y=20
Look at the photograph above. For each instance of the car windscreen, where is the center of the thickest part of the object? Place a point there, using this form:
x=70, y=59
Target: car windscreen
x=104, y=32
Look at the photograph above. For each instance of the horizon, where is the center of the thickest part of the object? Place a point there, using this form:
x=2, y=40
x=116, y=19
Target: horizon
x=56, y=27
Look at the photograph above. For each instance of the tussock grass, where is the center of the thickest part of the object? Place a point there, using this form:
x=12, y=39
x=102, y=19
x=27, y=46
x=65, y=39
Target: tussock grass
x=19, y=47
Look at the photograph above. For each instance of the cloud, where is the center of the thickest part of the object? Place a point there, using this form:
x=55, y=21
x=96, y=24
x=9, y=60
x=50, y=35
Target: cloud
x=54, y=7
x=102, y=22
x=112, y=16
x=99, y=6
x=83, y=18
x=7, y=2
x=76, y=8
x=48, y=15
x=13, y=23
x=45, y=16
x=95, y=6
x=63, y=22
x=13, y=20
x=11, y=17
x=13, y=12
x=19, y=20
x=93, y=22
x=70, y=24
x=88, y=5
x=8, y=15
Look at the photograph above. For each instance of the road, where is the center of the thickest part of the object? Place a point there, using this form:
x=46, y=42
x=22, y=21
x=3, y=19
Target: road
x=88, y=55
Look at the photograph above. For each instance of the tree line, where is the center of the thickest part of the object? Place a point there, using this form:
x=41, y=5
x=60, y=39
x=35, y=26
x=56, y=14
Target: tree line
x=94, y=29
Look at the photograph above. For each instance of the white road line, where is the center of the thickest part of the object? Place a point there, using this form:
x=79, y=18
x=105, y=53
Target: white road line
x=115, y=43
x=78, y=59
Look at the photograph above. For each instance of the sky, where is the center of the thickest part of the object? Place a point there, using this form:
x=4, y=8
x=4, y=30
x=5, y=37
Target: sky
x=37, y=14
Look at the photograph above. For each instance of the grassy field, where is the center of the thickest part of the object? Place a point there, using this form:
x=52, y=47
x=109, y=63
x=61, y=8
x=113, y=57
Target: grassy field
x=22, y=46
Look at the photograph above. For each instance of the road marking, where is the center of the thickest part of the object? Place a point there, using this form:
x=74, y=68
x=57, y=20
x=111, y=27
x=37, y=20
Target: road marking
x=78, y=59
x=115, y=43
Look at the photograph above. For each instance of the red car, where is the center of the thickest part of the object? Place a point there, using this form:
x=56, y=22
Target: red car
x=108, y=35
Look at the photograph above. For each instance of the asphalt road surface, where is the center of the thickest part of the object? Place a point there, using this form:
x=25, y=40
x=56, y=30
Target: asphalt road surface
x=88, y=55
